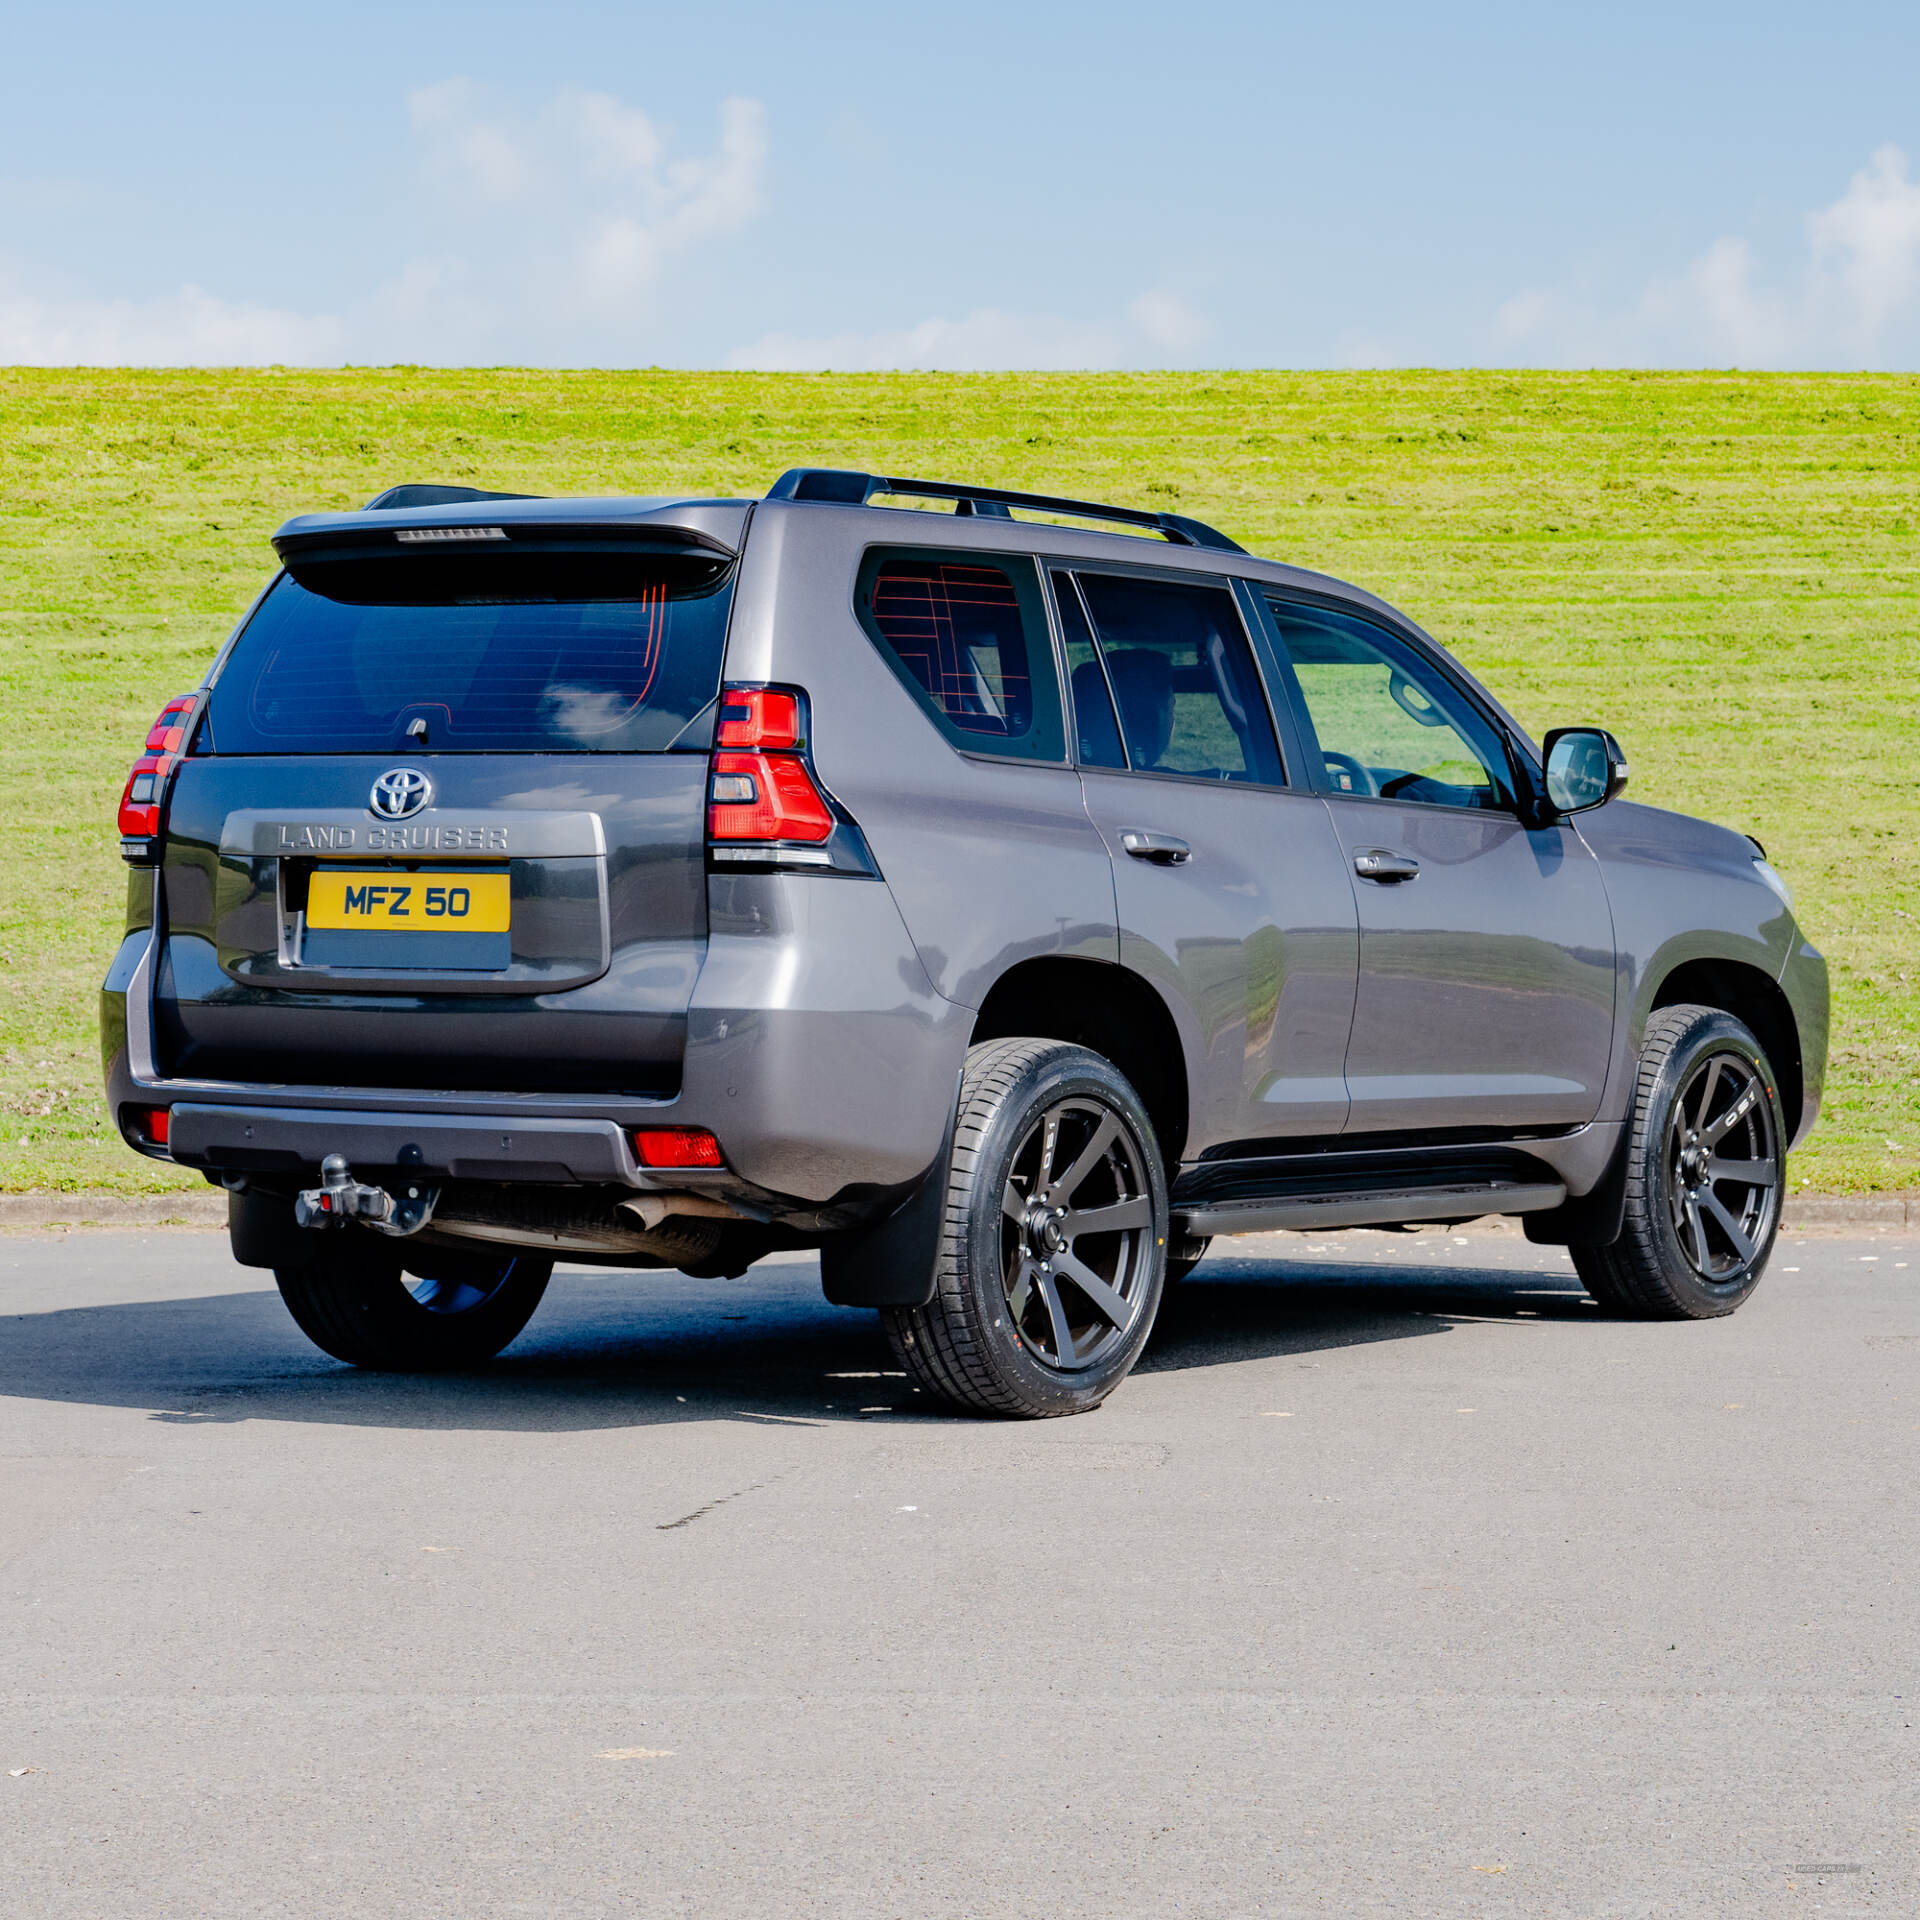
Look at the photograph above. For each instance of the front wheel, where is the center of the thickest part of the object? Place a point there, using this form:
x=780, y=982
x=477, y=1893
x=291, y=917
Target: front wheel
x=396, y=1308
x=1054, y=1239
x=1705, y=1174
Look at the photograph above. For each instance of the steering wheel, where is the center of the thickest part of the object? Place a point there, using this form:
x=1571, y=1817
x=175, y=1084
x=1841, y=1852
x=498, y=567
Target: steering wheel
x=1356, y=777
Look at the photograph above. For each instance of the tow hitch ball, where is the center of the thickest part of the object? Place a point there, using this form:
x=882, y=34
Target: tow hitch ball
x=340, y=1197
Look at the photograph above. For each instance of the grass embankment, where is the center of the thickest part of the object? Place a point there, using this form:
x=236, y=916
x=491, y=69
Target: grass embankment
x=1723, y=568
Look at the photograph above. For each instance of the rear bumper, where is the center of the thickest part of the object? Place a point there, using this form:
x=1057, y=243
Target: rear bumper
x=818, y=1054
x=294, y=1140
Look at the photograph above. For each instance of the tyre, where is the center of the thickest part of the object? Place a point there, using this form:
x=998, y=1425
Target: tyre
x=1705, y=1174
x=1053, y=1245
x=379, y=1303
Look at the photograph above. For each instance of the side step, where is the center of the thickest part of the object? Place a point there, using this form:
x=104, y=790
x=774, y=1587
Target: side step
x=1372, y=1207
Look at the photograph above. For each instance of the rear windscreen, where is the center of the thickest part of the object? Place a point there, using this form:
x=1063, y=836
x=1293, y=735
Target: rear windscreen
x=529, y=652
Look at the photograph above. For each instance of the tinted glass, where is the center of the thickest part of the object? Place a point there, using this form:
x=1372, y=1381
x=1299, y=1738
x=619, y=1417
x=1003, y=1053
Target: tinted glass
x=971, y=640
x=1184, y=679
x=593, y=653
x=1097, y=730
x=1389, y=722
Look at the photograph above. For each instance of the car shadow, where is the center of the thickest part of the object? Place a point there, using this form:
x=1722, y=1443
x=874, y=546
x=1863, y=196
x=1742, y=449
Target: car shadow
x=615, y=1350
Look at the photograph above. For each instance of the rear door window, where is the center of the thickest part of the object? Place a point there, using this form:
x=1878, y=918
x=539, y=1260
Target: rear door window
x=967, y=634
x=1096, y=731
x=531, y=652
x=1183, y=678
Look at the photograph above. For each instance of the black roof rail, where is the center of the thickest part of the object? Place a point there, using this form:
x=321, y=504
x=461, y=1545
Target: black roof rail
x=833, y=485
x=431, y=493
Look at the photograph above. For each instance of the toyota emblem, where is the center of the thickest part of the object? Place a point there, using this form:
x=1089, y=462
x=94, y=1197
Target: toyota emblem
x=399, y=792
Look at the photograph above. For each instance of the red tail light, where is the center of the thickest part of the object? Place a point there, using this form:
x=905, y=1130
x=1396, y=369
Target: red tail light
x=144, y=798
x=763, y=804
x=677, y=1147
x=759, y=717
x=765, y=796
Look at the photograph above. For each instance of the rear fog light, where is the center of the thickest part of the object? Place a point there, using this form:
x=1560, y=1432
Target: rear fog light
x=677, y=1147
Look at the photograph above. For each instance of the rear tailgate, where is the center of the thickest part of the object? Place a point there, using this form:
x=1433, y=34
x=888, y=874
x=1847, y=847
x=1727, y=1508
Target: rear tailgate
x=444, y=823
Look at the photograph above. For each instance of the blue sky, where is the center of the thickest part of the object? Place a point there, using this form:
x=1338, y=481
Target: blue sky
x=978, y=185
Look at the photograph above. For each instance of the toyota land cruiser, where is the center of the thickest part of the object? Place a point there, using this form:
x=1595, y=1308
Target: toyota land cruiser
x=1004, y=895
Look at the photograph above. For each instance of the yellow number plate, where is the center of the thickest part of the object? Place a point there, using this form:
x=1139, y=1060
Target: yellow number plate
x=442, y=902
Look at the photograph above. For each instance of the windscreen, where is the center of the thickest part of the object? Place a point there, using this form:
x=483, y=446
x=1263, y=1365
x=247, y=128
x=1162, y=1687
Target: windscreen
x=538, y=651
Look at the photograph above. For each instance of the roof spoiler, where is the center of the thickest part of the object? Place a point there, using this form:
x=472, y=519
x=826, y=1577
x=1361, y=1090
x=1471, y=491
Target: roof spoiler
x=433, y=493
x=835, y=486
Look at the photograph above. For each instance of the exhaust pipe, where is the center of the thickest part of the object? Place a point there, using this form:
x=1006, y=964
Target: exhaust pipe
x=340, y=1198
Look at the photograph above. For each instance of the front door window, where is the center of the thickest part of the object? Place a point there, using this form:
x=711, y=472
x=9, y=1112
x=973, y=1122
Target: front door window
x=1391, y=726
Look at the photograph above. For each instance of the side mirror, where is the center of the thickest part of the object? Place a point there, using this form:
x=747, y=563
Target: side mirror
x=1585, y=769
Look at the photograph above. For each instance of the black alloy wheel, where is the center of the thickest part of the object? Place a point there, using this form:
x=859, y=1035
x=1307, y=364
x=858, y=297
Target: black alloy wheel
x=1704, y=1177
x=1053, y=1248
x=1723, y=1167
x=1077, y=1235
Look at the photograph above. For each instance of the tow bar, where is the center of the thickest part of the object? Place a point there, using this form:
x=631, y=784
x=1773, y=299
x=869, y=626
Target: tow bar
x=340, y=1197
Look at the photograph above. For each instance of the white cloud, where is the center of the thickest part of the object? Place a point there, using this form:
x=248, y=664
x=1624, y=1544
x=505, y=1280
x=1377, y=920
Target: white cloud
x=553, y=236
x=1853, y=299
x=1157, y=327
x=44, y=324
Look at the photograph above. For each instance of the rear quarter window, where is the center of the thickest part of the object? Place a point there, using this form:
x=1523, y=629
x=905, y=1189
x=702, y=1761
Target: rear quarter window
x=967, y=634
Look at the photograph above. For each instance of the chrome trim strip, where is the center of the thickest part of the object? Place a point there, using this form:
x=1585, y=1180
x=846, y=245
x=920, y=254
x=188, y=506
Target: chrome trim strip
x=438, y=833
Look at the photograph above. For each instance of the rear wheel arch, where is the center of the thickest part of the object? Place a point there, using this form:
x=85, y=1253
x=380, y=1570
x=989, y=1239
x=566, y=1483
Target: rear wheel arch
x=1758, y=1002
x=1109, y=1010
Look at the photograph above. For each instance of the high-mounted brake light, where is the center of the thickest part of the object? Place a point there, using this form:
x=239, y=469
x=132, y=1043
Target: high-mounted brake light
x=143, y=800
x=676, y=1147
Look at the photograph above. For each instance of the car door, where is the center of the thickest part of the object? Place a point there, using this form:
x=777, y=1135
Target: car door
x=1486, y=985
x=1230, y=892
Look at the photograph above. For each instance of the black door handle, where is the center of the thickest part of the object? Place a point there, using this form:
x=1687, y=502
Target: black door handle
x=1163, y=849
x=1378, y=864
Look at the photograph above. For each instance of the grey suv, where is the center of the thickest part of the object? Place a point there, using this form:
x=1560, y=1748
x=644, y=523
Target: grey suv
x=1004, y=895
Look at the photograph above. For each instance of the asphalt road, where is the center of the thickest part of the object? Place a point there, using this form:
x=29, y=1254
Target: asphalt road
x=1396, y=1582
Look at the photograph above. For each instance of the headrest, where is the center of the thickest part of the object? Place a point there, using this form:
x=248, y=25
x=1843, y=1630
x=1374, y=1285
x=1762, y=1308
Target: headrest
x=1143, y=685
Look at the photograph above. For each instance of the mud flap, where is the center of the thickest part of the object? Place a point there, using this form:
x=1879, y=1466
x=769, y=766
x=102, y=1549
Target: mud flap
x=261, y=1231
x=891, y=1263
x=1593, y=1218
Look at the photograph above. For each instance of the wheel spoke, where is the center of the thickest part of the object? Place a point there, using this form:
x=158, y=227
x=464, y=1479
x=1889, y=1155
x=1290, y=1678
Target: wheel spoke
x=1118, y=1218
x=1049, y=1144
x=1708, y=1087
x=1013, y=1203
x=1741, y=1107
x=1697, y=1233
x=1020, y=1294
x=1101, y=1297
x=1742, y=1246
x=1749, y=1173
x=1091, y=1155
x=1064, y=1351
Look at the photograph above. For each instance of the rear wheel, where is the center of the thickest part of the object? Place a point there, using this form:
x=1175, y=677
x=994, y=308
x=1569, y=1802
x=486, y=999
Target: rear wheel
x=393, y=1307
x=1053, y=1246
x=1706, y=1169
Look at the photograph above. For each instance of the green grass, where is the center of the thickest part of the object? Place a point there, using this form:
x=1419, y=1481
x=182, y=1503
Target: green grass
x=1725, y=568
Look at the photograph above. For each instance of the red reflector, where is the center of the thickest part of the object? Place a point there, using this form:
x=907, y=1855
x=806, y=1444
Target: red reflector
x=780, y=801
x=676, y=1147
x=758, y=717
x=157, y=1124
